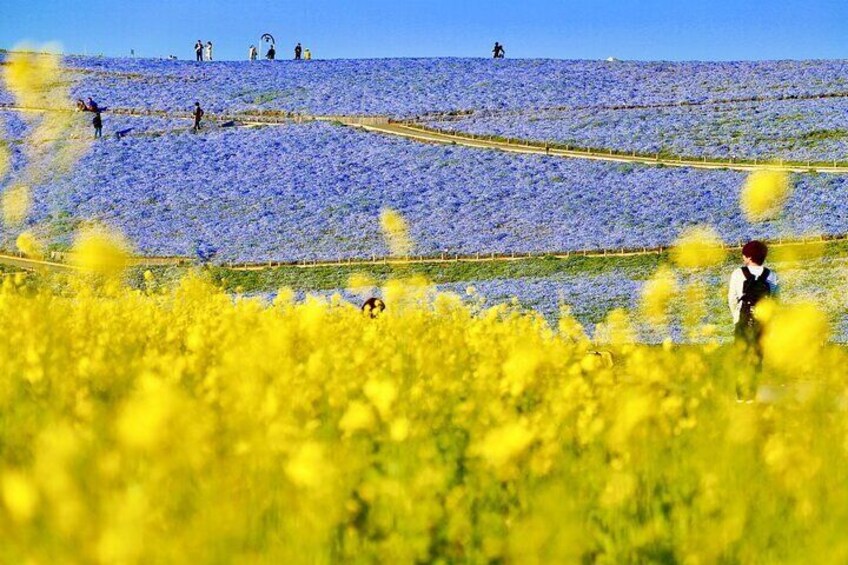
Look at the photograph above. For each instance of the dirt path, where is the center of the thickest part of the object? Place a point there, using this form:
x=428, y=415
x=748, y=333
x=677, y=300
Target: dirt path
x=420, y=133
x=417, y=132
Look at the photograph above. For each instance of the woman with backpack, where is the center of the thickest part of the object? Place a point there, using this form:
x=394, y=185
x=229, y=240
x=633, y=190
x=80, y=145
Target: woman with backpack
x=750, y=284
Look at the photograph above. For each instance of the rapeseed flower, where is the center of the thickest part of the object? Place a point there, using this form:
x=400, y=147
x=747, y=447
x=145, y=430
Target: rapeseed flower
x=27, y=244
x=764, y=195
x=396, y=232
x=16, y=204
x=698, y=247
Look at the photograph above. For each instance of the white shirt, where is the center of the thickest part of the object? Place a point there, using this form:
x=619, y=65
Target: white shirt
x=737, y=281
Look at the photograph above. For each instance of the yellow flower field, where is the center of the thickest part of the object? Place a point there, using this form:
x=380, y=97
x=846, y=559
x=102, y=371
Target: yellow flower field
x=169, y=424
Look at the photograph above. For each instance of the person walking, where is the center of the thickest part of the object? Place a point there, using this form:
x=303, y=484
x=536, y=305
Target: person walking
x=307, y=54
x=298, y=51
x=198, y=113
x=251, y=53
x=208, y=50
x=198, y=50
x=97, y=122
x=750, y=284
x=499, y=51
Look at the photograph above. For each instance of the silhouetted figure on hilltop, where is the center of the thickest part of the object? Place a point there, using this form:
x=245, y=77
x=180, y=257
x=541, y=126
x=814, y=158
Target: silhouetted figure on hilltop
x=198, y=50
x=271, y=53
x=499, y=52
x=298, y=51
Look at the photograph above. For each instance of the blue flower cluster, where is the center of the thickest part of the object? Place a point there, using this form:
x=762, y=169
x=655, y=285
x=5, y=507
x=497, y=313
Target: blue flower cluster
x=409, y=87
x=315, y=191
x=15, y=126
x=801, y=130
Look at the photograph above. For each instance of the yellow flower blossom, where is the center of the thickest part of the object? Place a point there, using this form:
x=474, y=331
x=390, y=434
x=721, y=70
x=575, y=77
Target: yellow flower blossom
x=16, y=203
x=27, y=244
x=657, y=294
x=396, y=232
x=764, y=195
x=698, y=247
x=19, y=495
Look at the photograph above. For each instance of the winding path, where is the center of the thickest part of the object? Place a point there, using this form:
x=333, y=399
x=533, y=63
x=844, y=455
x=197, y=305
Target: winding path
x=419, y=133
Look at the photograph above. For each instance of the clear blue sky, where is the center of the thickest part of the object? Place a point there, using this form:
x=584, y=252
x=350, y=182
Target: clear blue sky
x=561, y=29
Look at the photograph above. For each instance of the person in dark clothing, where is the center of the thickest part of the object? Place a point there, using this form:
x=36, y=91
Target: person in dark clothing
x=92, y=106
x=374, y=307
x=198, y=50
x=271, y=53
x=499, y=51
x=748, y=286
x=97, y=122
x=198, y=113
x=298, y=50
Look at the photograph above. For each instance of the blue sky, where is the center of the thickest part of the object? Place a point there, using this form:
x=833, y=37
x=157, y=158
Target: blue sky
x=563, y=29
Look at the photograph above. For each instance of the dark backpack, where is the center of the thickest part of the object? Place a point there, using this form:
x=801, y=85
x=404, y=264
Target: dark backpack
x=754, y=289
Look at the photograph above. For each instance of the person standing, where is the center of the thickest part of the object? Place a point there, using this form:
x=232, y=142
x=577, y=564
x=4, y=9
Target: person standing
x=750, y=284
x=499, y=51
x=298, y=51
x=307, y=54
x=251, y=54
x=198, y=50
x=271, y=53
x=97, y=122
x=208, y=50
x=198, y=113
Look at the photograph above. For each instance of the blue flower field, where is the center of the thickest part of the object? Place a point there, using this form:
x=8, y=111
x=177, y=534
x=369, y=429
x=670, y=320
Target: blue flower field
x=315, y=191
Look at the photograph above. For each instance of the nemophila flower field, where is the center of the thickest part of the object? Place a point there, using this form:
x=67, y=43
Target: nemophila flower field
x=315, y=191
x=408, y=87
x=800, y=130
x=19, y=125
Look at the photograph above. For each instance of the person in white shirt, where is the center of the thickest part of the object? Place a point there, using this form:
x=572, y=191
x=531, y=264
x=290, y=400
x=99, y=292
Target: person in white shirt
x=208, y=50
x=748, y=285
x=251, y=54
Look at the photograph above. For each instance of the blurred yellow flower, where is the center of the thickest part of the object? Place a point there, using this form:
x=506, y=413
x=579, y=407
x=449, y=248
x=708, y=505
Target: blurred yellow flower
x=27, y=244
x=100, y=251
x=504, y=444
x=396, y=232
x=764, y=195
x=16, y=203
x=19, y=495
x=309, y=467
x=698, y=247
x=358, y=417
x=360, y=284
x=657, y=294
x=794, y=336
